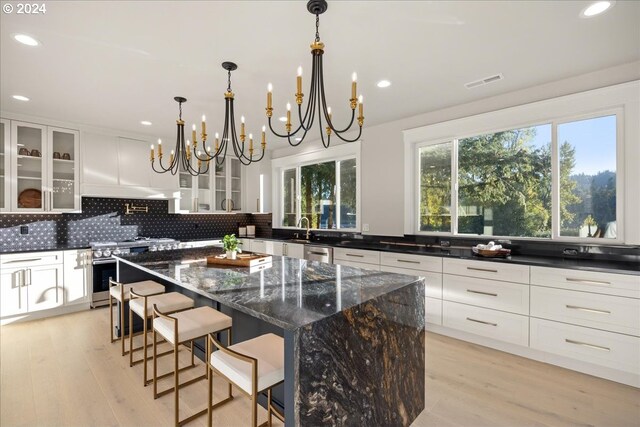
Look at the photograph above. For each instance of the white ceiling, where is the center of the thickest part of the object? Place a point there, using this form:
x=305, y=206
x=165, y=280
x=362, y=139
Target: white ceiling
x=113, y=64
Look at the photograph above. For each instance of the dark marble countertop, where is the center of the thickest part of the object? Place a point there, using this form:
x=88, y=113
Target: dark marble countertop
x=42, y=248
x=290, y=294
x=592, y=264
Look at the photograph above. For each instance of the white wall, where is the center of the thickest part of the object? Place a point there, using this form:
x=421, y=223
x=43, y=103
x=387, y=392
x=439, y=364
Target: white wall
x=383, y=145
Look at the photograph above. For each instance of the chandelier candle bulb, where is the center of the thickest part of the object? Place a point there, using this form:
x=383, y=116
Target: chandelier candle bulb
x=288, y=114
x=354, y=80
x=193, y=133
x=242, y=128
x=251, y=143
x=329, y=112
x=264, y=141
x=217, y=141
x=159, y=148
x=152, y=152
x=269, y=95
x=204, y=124
x=299, y=81
x=171, y=157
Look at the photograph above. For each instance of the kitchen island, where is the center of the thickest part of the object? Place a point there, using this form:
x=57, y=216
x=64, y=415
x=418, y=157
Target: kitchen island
x=354, y=338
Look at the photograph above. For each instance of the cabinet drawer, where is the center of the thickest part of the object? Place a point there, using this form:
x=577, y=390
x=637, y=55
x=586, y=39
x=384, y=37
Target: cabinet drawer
x=611, y=313
x=356, y=264
x=433, y=310
x=624, y=285
x=494, y=324
x=31, y=259
x=487, y=270
x=512, y=297
x=608, y=349
x=415, y=262
x=357, y=255
x=432, y=281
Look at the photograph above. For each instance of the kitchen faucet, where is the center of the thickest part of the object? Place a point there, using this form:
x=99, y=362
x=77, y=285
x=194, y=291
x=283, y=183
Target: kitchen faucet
x=300, y=225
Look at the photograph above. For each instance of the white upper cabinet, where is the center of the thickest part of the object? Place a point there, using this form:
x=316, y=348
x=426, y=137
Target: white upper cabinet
x=99, y=160
x=39, y=169
x=5, y=165
x=228, y=185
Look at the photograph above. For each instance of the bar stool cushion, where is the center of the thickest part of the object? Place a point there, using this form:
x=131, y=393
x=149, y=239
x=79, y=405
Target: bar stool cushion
x=192, y=324
x=268, y=349
x=166, y=303
x=146, y=287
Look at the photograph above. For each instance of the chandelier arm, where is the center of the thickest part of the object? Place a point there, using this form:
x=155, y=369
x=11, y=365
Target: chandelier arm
x=273, y=130
x=324, y=107
x=311, y=97
x=351, y=140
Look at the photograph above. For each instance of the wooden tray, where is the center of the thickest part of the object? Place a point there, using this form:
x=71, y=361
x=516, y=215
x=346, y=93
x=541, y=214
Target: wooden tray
x=30, y=198
x=242, y=260
x=500, y=253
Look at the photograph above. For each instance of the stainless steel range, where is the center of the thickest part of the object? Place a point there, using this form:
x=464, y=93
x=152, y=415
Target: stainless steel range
x=105, y=266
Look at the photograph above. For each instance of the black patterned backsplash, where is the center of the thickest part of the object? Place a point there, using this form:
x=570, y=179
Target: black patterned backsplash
x=104, y=219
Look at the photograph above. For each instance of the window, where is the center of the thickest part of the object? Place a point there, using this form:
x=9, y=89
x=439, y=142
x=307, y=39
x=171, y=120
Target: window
x=501, y=183
x=321, y=186
x=504, y=183
x=588, y=177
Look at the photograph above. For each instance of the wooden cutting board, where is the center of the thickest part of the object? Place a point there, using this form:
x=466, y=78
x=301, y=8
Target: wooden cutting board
x=242, y=260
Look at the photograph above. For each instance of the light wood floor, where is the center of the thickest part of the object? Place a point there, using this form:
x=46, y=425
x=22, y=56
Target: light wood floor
x=62, y=371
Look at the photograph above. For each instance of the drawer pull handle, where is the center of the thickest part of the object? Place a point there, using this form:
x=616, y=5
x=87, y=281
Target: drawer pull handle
x=356, y=255
x=588, y=282
x=482, y=293
x=488, y=270
x=481, y=321
x=408, y=261
x=591, y=310
x=586, y=344
x=318, y=253
x=23, y=260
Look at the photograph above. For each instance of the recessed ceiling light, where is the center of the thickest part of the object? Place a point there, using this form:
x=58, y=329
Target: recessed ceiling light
x=25, y=39
x=283, y=119
x=20, y=98
x=146, y=123
x=384, y=83
x=596, y=8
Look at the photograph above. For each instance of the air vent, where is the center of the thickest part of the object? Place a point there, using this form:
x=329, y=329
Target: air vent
x=484, y=81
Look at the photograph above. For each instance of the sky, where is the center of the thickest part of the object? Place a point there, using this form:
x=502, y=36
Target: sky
x=594, y=141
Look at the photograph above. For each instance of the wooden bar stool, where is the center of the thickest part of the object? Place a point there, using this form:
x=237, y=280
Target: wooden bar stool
x=180, y=328
x=253, y=366
x=120, y=292
x=141, y=305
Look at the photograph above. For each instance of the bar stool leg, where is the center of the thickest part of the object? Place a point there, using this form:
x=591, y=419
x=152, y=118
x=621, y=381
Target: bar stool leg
x=111, y=319
x=175, y=373
x=269, y=407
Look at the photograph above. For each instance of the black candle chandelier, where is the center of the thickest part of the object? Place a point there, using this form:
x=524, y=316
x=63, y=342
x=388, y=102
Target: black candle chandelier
x=181, y=157
x=317, y=103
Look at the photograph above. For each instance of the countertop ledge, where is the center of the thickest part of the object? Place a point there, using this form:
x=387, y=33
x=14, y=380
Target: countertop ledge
x=44, y=248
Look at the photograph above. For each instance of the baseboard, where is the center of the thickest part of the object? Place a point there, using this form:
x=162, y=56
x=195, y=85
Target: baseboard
x=42, y=314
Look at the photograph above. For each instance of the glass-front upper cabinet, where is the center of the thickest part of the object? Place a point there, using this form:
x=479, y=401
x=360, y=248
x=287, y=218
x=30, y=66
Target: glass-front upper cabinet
x=228, y=185
x=4, y=164
x=64, y=170
x=195, y=191
x=43, y=168
x=30, y=174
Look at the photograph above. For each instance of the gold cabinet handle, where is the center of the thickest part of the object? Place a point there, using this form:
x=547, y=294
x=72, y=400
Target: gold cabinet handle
x=586, y=344
x=482, y=293
x=481, y=321
x=590, y=310
x=487, y=270
x=588, y=282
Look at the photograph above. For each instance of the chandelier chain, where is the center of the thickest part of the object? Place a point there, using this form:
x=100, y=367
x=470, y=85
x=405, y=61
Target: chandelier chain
x=317, y=28
x=229, y=81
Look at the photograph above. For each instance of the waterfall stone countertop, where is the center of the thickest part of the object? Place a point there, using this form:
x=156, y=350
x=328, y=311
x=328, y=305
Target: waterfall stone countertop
x=354, y=338
x=290, y=293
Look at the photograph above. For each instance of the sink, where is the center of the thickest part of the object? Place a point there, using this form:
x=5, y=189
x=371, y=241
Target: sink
x=303, y=241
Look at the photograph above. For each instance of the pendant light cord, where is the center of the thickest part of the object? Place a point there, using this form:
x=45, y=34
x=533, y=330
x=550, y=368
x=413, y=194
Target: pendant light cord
x=317, y=27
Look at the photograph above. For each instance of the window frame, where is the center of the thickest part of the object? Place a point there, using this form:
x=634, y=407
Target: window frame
x=511, y=118
x=336, y=154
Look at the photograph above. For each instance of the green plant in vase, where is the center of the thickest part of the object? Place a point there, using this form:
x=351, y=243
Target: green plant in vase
x=231, y=245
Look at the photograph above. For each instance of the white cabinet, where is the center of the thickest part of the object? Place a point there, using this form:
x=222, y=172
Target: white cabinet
x=228, y=185
x=5, y=165
x=623, y=285
x=486, y=270
x=245, y=245
x=39, y=169
x=430, y=268
x=259, y=246
x=357, y=258
x=293, y=250
x=505, y=296
x=31, y=282
x=114, y=166
x=77, y=276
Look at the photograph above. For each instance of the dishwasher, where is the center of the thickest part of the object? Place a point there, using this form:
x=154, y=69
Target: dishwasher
x=318, y=253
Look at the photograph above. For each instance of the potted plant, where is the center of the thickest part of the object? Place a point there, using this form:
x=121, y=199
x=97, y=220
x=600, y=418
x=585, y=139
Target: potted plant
x=230, y=245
